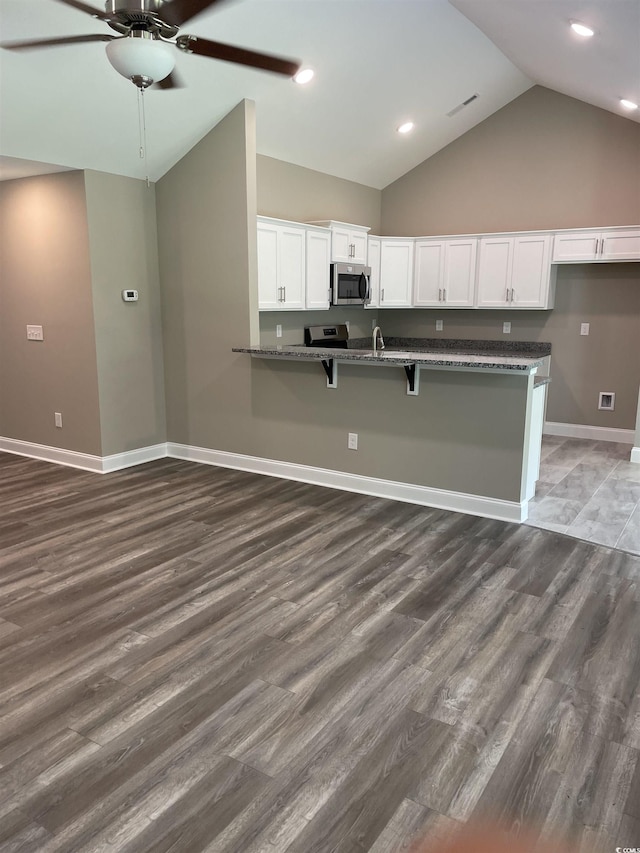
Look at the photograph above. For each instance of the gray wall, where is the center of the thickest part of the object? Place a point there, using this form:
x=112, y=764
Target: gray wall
x=124, y=254
x=45, y=279
x=606, y=296
x=544, y=161
x=206, y=208
x=304, y=195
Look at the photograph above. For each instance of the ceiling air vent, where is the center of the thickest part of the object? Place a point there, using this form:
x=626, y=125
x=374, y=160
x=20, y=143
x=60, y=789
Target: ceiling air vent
x=463, y=105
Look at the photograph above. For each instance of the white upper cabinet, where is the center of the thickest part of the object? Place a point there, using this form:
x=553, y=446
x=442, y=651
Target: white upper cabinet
x=373, y=253
x=317, y=268
x=445, y=272
x=515, y=272
x=293, y=268
x=597, y=245
x=396, y=272
x=348, y=242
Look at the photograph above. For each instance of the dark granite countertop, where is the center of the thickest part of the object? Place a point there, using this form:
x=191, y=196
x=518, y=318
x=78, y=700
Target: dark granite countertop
x=488, y=355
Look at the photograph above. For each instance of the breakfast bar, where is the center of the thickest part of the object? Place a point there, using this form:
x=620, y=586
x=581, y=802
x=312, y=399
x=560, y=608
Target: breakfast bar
x=498, y=408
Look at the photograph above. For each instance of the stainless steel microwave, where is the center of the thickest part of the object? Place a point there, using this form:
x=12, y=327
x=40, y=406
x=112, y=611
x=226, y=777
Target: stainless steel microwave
x=350, y=284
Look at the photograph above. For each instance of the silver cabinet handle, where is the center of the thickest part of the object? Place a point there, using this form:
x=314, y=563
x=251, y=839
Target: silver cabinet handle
x=439, y=294
x=507, y=299
x=512, y=294
x=284, y=294
x=444, y=294
x=382, y=295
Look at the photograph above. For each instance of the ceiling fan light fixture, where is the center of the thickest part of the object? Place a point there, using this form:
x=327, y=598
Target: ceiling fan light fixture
x=582, y=29
x=628, y=105
x=305, y=75
x=141, y=57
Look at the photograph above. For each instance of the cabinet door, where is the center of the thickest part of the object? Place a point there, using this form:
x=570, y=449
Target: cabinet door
x=291, y=278
x=620, y=246
x=396, y=273
x=494, y=272
x=359, y=247
x=575, y=247
x=341, y=245
x=267, y=268
x=429, y=273
x=458, y=282
x=531, y=272
x=373, y=250
x=317, y=263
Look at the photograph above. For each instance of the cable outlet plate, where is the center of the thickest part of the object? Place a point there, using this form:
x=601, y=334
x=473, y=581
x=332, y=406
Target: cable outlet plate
x=606, y=401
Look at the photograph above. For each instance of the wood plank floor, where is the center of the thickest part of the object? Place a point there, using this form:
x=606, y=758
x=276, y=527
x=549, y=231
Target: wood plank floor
x=194, y=658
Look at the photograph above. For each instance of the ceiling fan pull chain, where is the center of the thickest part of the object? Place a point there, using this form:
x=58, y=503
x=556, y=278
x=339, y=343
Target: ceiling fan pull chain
x=142, y=126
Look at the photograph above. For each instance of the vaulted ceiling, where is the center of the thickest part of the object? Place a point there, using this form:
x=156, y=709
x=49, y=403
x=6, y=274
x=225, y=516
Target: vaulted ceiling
x=377, y=64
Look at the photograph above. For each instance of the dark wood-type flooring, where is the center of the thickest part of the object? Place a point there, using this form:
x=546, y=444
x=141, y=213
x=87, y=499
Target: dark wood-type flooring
x=194, y=658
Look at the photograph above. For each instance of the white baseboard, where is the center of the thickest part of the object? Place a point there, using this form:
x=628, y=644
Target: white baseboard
x=635, y=455
x=622, y=436
x=84, y=461
x=118, y=461
x=485, y=507
x=439, y=498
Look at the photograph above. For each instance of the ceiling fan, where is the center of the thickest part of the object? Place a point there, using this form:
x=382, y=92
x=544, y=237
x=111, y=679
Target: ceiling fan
x=142, y=50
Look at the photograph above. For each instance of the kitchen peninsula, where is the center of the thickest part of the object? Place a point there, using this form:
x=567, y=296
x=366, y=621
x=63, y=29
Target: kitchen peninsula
x=474, y=427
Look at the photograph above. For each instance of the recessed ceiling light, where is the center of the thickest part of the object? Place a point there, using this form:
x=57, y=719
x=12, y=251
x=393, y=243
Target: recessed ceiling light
x=406, y=127
x=628, y=105
x=304, y=76
x=581, y=29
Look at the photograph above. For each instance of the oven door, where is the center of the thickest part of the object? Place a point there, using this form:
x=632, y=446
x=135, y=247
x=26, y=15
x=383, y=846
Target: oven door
x=351, y=284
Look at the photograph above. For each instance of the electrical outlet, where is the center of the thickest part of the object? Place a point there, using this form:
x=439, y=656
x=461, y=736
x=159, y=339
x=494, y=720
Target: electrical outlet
x=58, y=419
x=439, y=325
x=352, y=442
x=35, y=333
x=584, y=328
x=278, y=331
x=506, y=328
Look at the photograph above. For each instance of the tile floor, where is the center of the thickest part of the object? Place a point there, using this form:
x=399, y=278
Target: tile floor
x=590, y=490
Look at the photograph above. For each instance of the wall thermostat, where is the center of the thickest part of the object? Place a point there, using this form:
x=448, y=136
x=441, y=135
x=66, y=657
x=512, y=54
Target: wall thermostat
x=130, y=295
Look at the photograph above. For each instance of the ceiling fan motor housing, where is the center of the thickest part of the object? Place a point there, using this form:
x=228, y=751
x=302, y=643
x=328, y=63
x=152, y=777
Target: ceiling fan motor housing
x=145, y=15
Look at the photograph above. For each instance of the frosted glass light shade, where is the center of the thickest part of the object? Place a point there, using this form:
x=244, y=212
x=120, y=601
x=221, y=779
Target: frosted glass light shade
x=133, y=57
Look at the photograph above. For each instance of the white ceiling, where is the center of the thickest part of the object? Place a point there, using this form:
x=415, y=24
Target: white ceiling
x=377, y=63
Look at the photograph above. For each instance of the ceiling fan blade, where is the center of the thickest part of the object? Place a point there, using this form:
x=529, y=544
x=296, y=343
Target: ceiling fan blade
x=171, y=81
x=84, y=7
x=24, y=45
x=176, y=12
x=228, y=53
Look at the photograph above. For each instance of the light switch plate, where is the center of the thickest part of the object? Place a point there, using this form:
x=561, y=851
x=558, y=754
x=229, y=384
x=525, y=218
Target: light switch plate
x=506, y=328
x=584, y=328
x=35, y=333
